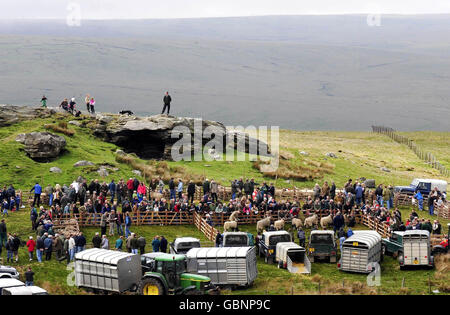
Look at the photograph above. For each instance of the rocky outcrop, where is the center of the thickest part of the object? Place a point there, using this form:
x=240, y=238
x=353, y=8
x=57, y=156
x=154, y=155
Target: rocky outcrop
x=10, y=114
x=83, y=163
x=154, y=136
x=42, y=146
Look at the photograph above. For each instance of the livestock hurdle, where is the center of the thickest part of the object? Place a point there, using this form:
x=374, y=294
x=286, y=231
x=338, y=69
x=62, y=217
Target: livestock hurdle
x=374, y=224
x=201, y=224
x=443, y=211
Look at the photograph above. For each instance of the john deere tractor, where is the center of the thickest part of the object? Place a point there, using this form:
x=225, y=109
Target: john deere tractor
x=166, y=274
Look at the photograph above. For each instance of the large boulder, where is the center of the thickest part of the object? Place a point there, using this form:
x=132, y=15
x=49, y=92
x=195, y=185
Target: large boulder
x=154, y=136
x=10, y=114
x=83, y=163
x=42, y=146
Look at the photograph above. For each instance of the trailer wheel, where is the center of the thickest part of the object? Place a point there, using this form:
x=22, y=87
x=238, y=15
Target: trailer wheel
x=150, y=286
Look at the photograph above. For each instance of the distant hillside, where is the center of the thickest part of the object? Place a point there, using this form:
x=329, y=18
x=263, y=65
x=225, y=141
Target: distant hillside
x=302, y=73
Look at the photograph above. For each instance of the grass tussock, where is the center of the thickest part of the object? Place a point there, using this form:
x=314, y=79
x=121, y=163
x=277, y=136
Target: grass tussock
x=442, y=275
x=155, y=169
x=61, y=127
x=298, y=170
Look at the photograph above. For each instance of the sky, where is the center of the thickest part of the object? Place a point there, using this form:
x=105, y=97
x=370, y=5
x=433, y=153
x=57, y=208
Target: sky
x=139, y=9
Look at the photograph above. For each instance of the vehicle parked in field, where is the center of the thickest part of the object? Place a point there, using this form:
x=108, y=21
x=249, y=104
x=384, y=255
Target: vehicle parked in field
x=360, y=251
x=425, y=186
x=441, y=248
x=322, y=245
x=268, y=242
x=416, y=249
x=107, y=271
x=292, y=257
x=24, y=290
x=393, y=245
x=182, y=245
x=8, y=272
x=238, y=239
x=6, y=283
x=225, y=266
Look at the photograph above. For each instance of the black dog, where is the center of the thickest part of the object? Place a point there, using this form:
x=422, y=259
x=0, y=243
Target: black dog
x=126, y=112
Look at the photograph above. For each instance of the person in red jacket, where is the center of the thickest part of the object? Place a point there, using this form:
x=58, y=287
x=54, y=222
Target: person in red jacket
x=31, y=244
x=130, y=187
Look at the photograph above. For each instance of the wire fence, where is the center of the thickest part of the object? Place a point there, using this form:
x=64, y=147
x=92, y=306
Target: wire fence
x=422, y=154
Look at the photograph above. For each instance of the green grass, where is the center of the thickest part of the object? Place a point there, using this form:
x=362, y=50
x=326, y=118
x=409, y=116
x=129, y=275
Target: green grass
x=361, y=154
x=437, y=143
x=271, y=280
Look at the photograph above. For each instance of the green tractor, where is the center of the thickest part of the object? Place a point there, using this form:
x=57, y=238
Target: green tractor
x=166, y=274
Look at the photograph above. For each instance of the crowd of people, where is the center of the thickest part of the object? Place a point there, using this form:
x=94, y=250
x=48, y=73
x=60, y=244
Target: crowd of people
x=110, y=204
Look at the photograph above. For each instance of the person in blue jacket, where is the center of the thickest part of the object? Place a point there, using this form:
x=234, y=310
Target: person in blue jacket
x=37, y=194
x=419, y=198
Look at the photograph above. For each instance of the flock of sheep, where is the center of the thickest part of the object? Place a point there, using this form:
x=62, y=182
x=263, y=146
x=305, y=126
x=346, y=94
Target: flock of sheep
x=263, y=224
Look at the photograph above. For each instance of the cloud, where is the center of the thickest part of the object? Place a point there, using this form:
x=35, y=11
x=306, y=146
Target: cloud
x=131, y=9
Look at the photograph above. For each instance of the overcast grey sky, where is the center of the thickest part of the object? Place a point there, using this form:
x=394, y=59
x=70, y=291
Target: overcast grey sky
x=132, y=9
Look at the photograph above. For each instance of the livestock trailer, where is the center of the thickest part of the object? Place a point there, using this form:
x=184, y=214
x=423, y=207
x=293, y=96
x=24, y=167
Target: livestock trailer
x=226, y=266
x=416, y=249
x=107, y=270
x=292, y=257
x=182, y=245
x=360, y=251
x=238, y=239
x=9, y=283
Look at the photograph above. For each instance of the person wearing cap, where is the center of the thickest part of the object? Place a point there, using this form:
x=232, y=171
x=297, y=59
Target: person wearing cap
x=31, y=244
x=166, y=99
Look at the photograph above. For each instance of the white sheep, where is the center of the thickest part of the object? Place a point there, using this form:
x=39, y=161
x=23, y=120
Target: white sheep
x=234, y=216
x=229, y=225
x=310, y=221
x=325, y=221
x=262, y=224
x=156, y=195
x=297, y=222
x=279, y=224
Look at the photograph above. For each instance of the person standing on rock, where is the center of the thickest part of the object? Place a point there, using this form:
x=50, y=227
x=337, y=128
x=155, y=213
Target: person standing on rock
x=87, y=100
x=92, y=105
x=167, y=99
x=44, y=101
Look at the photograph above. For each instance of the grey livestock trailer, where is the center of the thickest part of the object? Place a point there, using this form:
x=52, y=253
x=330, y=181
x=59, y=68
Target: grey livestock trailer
x=416, y=249
x=225, y=266
x=107, y=270
x=360, y=251
x=182, y=245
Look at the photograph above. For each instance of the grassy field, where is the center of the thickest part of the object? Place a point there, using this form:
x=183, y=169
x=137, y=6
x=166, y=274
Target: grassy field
x=53, y=275
x=437, y=143
x=358, y=154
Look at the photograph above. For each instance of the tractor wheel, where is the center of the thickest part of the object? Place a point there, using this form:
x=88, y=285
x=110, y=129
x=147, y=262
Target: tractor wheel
x=150, y=286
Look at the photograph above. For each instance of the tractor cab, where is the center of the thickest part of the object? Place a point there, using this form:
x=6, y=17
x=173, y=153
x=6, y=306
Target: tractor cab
x=167, y=275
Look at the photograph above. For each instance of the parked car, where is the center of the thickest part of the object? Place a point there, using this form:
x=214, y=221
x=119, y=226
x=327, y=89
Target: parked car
x=322, y=245
x=268, y=242
x=8, y=272
x=393, y=245
x=182, y=245
x=238, y=239
x=416, y=249
x=425, y=186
